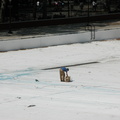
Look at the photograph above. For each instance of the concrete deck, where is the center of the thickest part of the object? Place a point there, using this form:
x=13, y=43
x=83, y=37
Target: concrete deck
x=42, y=31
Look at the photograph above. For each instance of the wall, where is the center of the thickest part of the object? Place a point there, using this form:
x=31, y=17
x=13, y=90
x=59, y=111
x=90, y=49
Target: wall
x=7, y=45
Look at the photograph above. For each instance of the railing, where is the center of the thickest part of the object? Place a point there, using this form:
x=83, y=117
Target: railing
x=91, y=28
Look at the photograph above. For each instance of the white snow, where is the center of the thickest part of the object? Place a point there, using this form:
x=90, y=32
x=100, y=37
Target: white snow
x=93, y=94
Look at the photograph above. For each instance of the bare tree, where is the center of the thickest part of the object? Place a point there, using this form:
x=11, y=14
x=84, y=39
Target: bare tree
x=2, y=10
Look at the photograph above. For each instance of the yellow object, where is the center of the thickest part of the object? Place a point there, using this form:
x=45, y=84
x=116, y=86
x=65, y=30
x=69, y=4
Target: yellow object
x=67, y=79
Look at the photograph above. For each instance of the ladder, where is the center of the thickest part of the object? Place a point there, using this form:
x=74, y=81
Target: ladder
x=91, y=28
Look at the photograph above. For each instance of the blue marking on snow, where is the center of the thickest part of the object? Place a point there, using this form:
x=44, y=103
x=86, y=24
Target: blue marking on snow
x=30, y=71
x=12, y=76
x=16, y=74
x=102, y=89
x=5, y=77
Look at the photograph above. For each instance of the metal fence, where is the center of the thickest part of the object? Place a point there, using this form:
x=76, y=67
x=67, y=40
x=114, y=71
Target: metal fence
x=26, y=10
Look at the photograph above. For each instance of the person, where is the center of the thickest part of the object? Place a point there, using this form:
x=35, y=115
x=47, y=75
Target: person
x=81, y=5
x=63, y=73
x=94, y=4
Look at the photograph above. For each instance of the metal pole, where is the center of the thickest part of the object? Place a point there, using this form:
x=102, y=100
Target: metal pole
x=34, y=9
x=68, y=8
x=88, y=12
x=10, y=6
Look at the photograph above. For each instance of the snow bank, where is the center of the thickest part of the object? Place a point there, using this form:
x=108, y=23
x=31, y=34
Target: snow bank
x=17, y=44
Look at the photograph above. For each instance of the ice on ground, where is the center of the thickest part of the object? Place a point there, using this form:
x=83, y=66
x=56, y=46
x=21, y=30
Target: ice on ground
x=28, y=91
